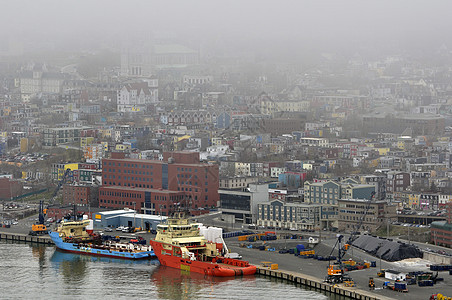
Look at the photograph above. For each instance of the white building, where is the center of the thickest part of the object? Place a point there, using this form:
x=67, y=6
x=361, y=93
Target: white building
x=37, y=79
x=275, y=171
x=196, y=79
x=318, y=142
x=135, y=97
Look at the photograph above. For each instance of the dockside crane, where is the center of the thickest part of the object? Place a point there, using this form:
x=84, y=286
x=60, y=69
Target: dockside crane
x=336, y=272
x=39, y=227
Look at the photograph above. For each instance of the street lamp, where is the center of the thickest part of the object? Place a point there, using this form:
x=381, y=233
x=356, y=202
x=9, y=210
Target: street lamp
x=380, y=244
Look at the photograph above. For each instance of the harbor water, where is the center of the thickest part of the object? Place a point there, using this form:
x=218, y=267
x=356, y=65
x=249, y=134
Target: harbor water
x=31, y=271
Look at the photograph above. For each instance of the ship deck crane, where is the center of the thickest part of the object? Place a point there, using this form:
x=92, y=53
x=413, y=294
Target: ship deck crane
x=336, y=272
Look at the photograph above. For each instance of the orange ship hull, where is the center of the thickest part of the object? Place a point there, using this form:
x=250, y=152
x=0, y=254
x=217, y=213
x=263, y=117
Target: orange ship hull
x=219, y=266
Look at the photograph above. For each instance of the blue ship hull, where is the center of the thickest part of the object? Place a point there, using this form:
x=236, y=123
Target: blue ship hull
x=88, y=250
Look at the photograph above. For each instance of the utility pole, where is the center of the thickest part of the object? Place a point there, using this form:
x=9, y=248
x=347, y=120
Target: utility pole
x=387, y=227
x=408, y=234
x=380, y=244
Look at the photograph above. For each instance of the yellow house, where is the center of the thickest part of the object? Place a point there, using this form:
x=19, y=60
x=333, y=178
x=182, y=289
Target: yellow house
x=413, y=200
x=383, y=151
x=217, y=141
x=339, y=115
x=7, y=111
x=122, y=147
x=401, y=145
x=24, y=145
x=73, y=166
x=85, y=141
x=181, y=138
x=374, y=163
x=105, y=144
x=106, y=133
x=307, y=166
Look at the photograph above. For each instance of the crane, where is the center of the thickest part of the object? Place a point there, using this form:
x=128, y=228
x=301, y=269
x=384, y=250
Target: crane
x=39, y=227
x=336, y=270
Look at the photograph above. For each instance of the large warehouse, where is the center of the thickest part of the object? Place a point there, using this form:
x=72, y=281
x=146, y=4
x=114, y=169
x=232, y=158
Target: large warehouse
x=126, y=217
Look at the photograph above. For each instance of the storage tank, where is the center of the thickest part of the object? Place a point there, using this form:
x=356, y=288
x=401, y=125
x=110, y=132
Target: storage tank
x=90, y=226
x=217, y=235
x=203, y=231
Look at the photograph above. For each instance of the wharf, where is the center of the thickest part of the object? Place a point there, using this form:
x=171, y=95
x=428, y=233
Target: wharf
x=316, y=283
x=21, y=237
x=316, y=271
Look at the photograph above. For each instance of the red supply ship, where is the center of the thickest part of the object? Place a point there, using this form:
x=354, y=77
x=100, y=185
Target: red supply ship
x=180, y=245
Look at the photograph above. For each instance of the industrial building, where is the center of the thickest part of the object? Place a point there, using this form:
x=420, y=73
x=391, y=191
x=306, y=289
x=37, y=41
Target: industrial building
x=126, y=217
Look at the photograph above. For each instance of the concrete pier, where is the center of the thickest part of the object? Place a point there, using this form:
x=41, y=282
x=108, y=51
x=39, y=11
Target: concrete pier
x=314, y=282
x=20, y=237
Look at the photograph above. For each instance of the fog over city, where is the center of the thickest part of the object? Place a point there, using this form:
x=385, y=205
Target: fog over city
x=251, y=25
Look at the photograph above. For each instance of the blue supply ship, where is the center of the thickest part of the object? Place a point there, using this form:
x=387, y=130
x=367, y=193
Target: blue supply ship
x=72, y=236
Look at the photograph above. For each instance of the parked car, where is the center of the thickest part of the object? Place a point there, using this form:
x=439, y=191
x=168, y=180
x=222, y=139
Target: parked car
x=234, y=255
x=125, y=229
x=120, y=228
x=108, y=229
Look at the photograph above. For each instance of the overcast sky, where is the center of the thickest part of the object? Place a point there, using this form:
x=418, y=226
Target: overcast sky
x=316, y=21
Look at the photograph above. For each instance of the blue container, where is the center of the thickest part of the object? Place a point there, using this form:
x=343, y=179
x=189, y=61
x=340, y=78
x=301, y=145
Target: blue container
x=400, y=286
x=291, y=251
x=300, y=247
x=373, y=264
x=425, y=283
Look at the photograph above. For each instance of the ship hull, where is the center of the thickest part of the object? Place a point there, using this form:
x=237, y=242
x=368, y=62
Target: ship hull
x=221, y=267
x=88, y=250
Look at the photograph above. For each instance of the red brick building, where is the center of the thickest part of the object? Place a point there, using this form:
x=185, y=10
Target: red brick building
x=154, y=186
x=10, y=188
x=441, y=231
x=83, y=195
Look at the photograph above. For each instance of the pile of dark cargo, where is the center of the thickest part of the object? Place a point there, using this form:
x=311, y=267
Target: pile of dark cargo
x=387, y=249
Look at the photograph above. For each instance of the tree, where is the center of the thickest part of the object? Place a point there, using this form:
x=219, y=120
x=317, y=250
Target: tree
x=433, y=188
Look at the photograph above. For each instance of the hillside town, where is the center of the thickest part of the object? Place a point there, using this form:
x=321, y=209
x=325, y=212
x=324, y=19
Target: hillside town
x=271, y=145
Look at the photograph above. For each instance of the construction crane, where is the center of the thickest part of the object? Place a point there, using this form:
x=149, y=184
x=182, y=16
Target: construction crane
x=336, y=272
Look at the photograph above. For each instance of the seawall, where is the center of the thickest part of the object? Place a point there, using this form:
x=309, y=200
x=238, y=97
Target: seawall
x=26, y=238
x=314, y=282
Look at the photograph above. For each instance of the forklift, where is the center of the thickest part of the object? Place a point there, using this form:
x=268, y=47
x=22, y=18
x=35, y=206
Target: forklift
x=371, y=283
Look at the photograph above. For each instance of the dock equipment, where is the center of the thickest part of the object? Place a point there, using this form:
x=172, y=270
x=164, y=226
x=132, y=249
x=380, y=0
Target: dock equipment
x=335, y=273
